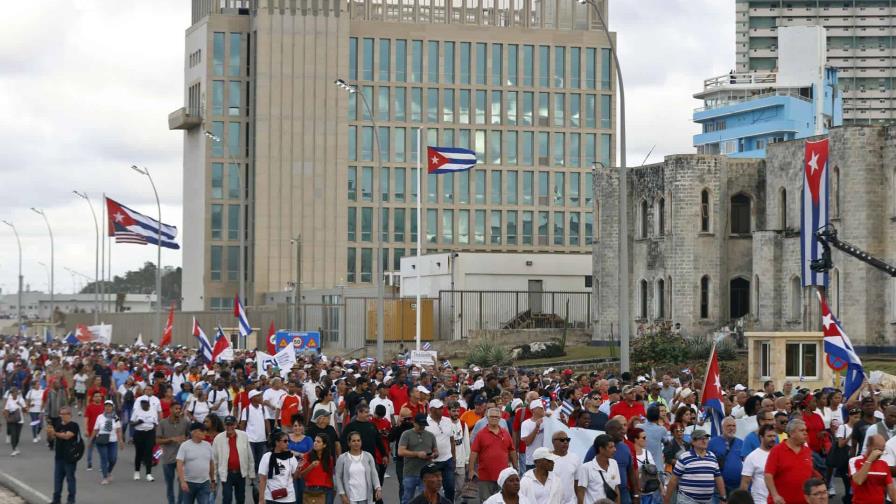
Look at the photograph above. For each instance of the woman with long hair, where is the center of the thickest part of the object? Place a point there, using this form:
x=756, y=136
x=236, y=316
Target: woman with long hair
x=317, y=470
x=675, y=446
x=277, y=470
x=299, y=445
x=326, y=403
x=106, y=434
x=651, y=492
x=357, y=481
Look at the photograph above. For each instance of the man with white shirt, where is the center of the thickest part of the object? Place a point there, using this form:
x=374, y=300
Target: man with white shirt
x=753, y=471
x=740, y=398
x=443, y=429
x=272, y=400
x=253, y=422
x=382, y=397
x=532, y=431
x=178, y=377
x=566, y=467
x=219, y=399
x=885, y=427
x=541, y=485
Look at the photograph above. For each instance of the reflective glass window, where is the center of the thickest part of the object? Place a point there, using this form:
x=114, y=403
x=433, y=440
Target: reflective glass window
x=218, y=53
x=385, y=60
x=416, y=61
x=367, y=59
x=401, y=60
x=528, y=65
x=496, y=188
x=481, y=63
x=513, y=54
x=497, y=64
x=432, y=61
x=510, y=155
x=465, y=63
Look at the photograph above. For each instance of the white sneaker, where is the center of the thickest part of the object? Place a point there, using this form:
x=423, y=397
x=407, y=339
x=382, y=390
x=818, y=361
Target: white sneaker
x=35, y=440
x=14, y=453
x=149, y=477
x=136, y=475
x=89, y=468
x=104, y=482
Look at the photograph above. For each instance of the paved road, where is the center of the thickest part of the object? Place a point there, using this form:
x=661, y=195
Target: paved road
x=30, y=474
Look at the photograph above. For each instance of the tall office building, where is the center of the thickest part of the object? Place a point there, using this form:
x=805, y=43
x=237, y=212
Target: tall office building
x=860, y=44
x=525, y=83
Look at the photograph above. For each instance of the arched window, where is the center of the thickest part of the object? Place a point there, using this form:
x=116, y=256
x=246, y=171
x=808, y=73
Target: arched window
x=835, y=192
x=796, y=298
x=739, y=296
x=661, y=217
x=704, y=297
x=782, y=203
x=642, y=308
x=660, y=299
x=669, y=310
x=704, y=211
x=740, y=214
x=643, y=221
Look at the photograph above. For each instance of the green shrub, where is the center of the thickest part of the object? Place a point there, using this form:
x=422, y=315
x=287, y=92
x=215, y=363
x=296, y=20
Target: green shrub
x=487, y=353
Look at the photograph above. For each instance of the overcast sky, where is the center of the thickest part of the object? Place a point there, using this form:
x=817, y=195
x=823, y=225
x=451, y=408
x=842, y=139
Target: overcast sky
x=86, y=87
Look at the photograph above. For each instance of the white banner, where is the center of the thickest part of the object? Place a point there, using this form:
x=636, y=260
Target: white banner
x=580, y=439
x=284, y=360
x=101, y=333
x=424, y=357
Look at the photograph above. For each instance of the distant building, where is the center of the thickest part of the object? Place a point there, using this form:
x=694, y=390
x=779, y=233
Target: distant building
x=36, y=305
x=743, y=113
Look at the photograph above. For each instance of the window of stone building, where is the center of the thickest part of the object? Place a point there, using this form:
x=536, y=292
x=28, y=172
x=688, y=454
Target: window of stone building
x=661, y=217
x=704, y=297
x=801, y=360
x=795, y=298
x=765, y=357
x=643, y=226
x=642, y=308
x=740, y=214
x=783, y=208
x=660, y=299
x=704, y=211
x=739, y=295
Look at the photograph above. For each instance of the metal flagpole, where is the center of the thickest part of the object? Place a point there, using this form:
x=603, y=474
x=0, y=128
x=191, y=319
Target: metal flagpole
x=419, y=240
x=103, y=259
x=109, y=269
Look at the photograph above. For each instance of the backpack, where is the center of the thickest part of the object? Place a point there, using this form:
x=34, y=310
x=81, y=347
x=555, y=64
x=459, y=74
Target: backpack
x=75, y=450
x=648, y=475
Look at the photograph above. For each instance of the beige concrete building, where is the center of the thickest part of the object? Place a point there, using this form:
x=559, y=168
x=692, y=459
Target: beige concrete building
x=860, y=44
x=787, y=355
x=525, y=83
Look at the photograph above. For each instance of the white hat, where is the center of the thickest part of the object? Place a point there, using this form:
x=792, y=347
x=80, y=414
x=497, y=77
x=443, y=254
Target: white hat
x=253, y=393
x=516, y=403
x=422, y=389
x=435, y=403
x=544, y=453
x=686, y=392
x=739, y=387
x=547, y=371
x=478, y=384
x=536, y=404
x=505, y=474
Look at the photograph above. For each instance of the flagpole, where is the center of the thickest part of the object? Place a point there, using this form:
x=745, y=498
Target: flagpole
x=102, y=285
x=419, y=241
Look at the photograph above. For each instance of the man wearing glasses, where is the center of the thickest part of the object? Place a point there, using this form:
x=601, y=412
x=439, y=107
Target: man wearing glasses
x=566, y=466
x=65, y=432
x=816, y=492
x=695, y=472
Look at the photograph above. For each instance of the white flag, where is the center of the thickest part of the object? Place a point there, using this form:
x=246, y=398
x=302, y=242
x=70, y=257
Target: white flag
x=284, y=360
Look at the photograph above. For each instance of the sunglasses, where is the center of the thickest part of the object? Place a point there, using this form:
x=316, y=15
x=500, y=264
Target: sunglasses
x=562, y=440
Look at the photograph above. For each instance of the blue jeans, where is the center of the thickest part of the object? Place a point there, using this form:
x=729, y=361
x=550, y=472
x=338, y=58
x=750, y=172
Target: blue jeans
x=411, y=485
x=90, y=447
x=625, y=497
x=447, y=468
x=170, y=472
x=298, y=485
x=235, y=484
x=108, y=457
x=64, y=471
x=197, y=493
x=35, y=429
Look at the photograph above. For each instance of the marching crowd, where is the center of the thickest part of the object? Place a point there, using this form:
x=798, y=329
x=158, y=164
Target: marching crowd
x=327, y=430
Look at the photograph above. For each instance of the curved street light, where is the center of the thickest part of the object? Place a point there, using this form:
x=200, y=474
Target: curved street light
x=19, y=302
x=52, y=262
x=145, y=171
x=96, y=259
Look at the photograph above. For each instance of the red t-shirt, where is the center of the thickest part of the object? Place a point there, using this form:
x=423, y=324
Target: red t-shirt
x=522, y=414
x=166, y=407
x=383, y=426
x=814, y=426
x=91, y=412
x=636, y=409
x=493, y=450
x=790, y=470
x=873, y=490
x=415, y=409
x=94, y=390
x=317, y=476
x=291, y=406
x=233, y=456
x=399, y=395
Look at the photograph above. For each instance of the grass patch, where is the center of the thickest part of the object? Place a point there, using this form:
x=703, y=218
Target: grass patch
x=573, y=353
x=887, y=366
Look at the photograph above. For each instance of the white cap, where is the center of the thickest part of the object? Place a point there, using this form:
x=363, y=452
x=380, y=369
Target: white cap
x=253, y=393
x=739, y=387
x=686, y=392
x=547, y=371
x=544, y=453
x=516, y=403
x=536, y=404
x=422, y=389
x=435, y=403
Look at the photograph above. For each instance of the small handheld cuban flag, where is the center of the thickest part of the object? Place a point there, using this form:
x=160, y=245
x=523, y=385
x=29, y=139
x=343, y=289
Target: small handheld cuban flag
x=240, y=314
x=71, y=339
x=566, y=408
x=449, y=159
x=427, y=346
x=205, y=348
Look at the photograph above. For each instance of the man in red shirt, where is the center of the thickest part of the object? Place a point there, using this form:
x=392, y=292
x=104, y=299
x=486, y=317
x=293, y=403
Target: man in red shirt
x=628, y=407
x=97, y=387
x=788, y=466
x=398, y=392
x=292, y=405
x=871, y=478
x=493, y=450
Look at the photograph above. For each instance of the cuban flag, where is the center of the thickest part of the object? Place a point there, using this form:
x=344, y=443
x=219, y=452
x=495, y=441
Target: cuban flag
x=222, y=349
x=841, y=353
x=814, y=209
x=240, y=314
x=71, y=339
x=449, y=159
x=427, y=346
x=711, y=397
x=205, y=348
x=131, y=226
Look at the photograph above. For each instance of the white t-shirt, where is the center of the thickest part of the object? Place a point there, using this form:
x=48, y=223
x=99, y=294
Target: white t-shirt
x=100, y=424
x=329, y=407
x=526, y=429
x=499, y=499
x=309, y=388
x=215, y=395
x=357, y=479
x=592, y=477
x=535, y=491
x=754, y=467
x=274, y=398
x=567, y=468
x=36, y=396
x=80, y=380
x=254, y=418
x=390, y=407
x=443, y=431
x=16, y=404
x=283, y=479
x=199, y=409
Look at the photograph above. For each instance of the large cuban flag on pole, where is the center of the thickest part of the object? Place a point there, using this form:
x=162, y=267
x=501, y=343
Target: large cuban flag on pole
x=814, y=209
x=711, y=398
x=841, y=353
x=131, y=226
x=449, y=159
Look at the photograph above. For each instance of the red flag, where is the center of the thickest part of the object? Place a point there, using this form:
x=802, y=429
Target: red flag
x=169, y=328
x=83, y=334
x=271, y=332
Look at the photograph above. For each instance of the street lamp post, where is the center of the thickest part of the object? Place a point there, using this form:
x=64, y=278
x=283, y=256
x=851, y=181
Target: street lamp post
x=96, y=260
x=52, y=261
x=19, y=302
x=145, y=171
x=378, y=270
x=242, y=222
x=624, y=325
x=46, y=270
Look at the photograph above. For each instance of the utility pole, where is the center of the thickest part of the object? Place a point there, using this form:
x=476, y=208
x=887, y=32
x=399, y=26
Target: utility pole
x=297, y=241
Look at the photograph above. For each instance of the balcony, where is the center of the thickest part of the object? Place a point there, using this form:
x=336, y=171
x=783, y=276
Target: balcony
x=183, y=119
x=758, y=79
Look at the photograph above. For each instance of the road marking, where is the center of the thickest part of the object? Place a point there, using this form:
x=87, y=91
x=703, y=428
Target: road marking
x=20, y=483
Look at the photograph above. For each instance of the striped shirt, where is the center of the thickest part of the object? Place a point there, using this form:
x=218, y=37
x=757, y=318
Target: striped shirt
x=696, y=475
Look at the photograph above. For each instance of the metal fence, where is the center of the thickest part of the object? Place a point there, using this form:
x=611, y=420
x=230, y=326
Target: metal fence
x=462, y=311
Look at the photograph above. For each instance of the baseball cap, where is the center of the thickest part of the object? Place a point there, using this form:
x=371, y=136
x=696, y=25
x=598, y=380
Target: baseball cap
x=197, y=426
x=613, y=390
x=422, y=389
x=480, y=399
x=107, y=401
x=699, y=434
x=430, y=469
x=319, y=413
x=536, y=404
x=435, y=403
x=739, y=387
x=420, y=418
x=229, y=420
x=253, y=393
x=543, y=453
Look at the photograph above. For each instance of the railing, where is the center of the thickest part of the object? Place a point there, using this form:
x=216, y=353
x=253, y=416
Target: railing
x=740, y=79
x=735, y=99
x=462, y=311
